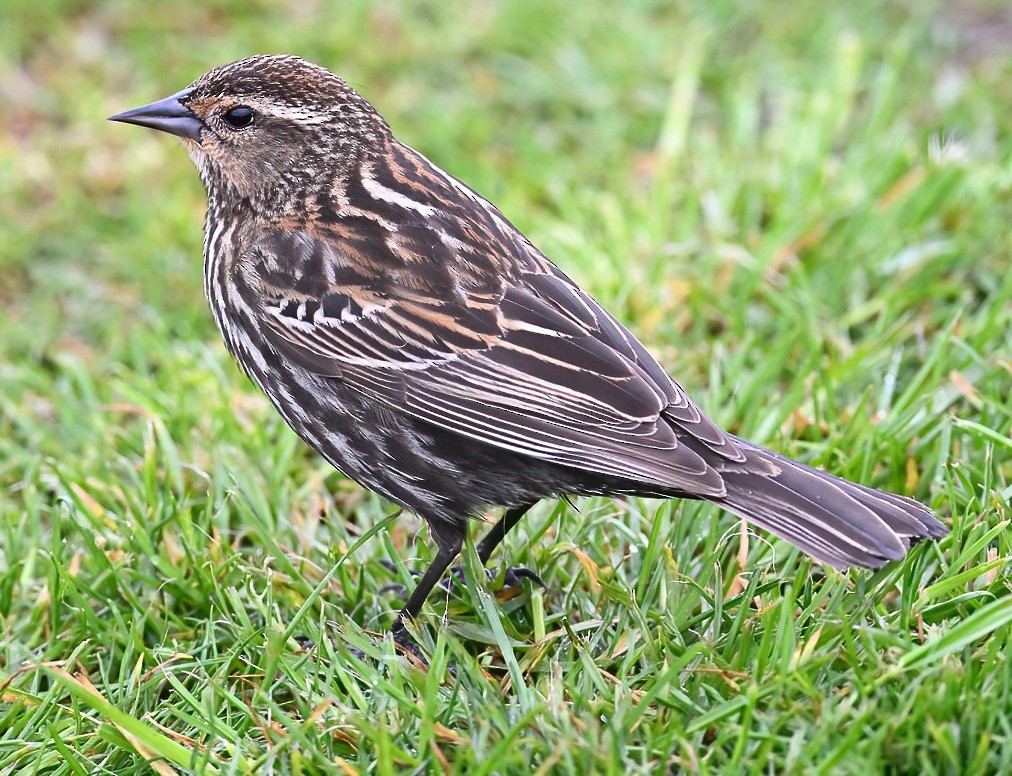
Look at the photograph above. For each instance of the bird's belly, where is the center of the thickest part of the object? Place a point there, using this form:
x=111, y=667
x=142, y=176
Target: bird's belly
x=415, y=465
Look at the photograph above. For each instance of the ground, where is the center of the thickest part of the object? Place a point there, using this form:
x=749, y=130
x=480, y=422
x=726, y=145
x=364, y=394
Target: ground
x=803, y=209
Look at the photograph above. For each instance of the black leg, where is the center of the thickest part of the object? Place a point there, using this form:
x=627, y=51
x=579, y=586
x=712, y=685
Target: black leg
x=450, y=543
x=498, y=532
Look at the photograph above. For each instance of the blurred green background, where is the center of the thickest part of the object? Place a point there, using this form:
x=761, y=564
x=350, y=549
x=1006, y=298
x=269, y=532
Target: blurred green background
x=802, y=208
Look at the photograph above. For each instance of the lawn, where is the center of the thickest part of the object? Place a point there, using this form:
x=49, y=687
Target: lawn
x=802, y=208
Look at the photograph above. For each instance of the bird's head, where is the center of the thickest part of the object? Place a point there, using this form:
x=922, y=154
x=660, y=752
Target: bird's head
x=265, y=126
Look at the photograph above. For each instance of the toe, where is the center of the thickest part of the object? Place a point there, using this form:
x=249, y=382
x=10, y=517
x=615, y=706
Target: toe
x=515, y=576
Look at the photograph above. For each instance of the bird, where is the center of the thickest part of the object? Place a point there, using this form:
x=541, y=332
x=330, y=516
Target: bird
x=421, y=344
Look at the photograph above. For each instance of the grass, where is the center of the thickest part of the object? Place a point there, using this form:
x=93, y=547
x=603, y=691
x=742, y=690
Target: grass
x=802, y=208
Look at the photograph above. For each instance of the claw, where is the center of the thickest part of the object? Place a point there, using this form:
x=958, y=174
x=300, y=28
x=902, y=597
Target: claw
x=512, y=577
x=406, y=644
x=515, y=575
x=456, y=576
x=396, y=587
x=356, y=653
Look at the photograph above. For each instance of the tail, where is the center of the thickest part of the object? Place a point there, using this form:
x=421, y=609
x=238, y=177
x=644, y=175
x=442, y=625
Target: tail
x=835, y=521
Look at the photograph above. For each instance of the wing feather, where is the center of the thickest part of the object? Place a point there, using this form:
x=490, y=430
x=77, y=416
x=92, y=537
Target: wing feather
x=538, y=368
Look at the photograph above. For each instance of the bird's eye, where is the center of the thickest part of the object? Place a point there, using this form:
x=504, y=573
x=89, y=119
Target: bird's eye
x=239, y=117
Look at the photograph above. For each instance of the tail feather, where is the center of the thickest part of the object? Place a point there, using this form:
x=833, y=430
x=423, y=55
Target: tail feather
x=836, y=521
x=906, y=517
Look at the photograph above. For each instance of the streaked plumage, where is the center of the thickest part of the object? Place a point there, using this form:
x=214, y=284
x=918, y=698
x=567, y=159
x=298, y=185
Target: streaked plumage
x=417, y=340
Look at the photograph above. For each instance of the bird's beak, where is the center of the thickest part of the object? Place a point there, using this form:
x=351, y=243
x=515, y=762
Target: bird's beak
x=168, y=115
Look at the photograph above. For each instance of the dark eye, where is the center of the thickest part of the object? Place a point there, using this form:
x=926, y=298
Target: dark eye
x=239, y=117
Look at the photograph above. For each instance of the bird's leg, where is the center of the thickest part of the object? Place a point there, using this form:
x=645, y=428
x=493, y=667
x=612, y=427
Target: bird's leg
x=498, y=532
x=449, y=539
x=514, y=574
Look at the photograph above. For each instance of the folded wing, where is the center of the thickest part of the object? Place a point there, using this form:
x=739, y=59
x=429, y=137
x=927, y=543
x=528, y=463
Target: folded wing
x=534, y=366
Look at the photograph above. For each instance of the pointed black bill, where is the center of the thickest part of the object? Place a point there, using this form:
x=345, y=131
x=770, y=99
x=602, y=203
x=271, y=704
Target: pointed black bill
x=168, y=115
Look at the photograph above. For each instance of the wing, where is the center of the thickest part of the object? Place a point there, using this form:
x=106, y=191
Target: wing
x=532, y=365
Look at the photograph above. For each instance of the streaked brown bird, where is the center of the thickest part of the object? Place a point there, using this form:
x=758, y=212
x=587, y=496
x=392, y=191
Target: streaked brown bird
x=420, y=343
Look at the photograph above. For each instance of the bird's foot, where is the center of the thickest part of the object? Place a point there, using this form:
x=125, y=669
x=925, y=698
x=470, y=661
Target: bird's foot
x=512, y=577
x=405, y=643
x=515, y=576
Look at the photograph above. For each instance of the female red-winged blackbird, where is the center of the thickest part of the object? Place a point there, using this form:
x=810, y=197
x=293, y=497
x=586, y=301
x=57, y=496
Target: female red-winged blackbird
x=420, y=343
